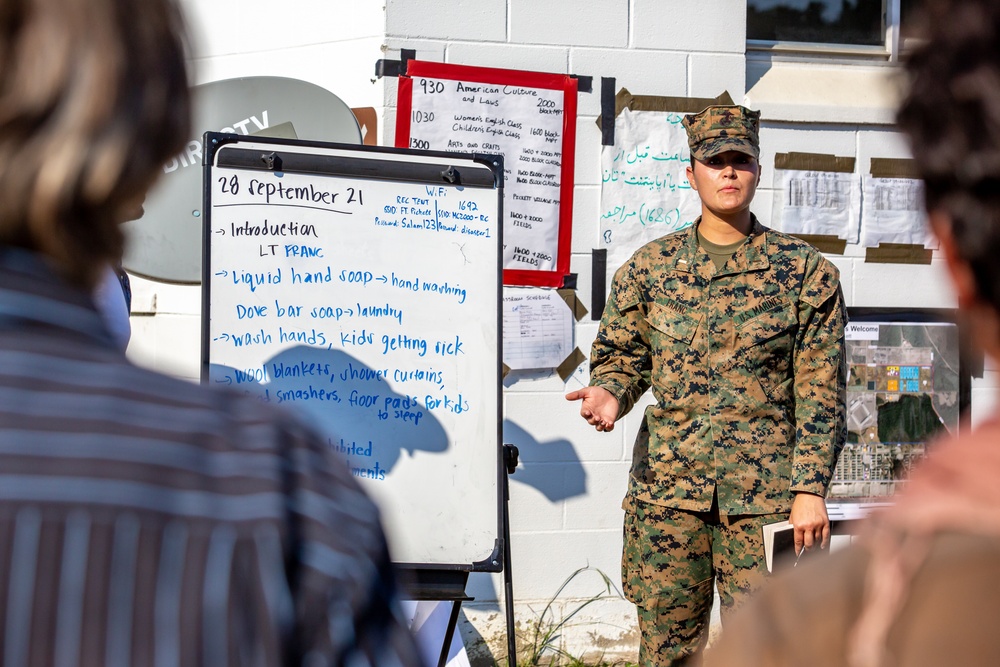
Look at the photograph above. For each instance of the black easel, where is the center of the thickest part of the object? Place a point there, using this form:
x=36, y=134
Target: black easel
x=510, y=465
x=439, y=586
x=448, y=585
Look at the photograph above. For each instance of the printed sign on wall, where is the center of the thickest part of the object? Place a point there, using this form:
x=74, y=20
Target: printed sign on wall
x=819, y=202
x=527, y=117
x=820, y=195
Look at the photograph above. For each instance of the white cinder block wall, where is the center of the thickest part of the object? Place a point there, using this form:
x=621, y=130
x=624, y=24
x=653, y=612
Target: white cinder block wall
x=566, y=494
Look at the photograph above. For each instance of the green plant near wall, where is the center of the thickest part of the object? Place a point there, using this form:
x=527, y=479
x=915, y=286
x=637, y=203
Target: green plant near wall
x=541, y=646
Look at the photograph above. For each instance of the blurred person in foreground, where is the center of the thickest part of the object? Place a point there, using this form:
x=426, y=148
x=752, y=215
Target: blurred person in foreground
x=922, y=585
x=145, y=520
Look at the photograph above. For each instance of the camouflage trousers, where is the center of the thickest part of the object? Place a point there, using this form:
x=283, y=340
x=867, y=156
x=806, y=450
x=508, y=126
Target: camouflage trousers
x=670, y=561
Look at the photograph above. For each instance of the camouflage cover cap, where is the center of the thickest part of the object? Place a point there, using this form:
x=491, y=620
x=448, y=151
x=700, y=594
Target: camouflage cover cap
x=718, y=129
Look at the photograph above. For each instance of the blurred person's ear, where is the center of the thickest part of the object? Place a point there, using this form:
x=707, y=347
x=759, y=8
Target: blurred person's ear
x=963, y=281
x=978, y=317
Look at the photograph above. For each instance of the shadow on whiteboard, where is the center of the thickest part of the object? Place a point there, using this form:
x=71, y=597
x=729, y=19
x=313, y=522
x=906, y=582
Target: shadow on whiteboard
x=550, y=466
x=348, y=402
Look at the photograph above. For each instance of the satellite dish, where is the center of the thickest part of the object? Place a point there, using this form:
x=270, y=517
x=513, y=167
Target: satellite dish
x=165, y=243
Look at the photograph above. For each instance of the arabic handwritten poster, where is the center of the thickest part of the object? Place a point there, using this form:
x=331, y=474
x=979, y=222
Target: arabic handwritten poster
x=644, y=193
x=537, y=328
x=893, y=212
x=527, y=117
x=819, y=202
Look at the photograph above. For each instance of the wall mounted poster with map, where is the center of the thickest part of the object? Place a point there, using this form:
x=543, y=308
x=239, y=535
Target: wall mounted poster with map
x=904, y=389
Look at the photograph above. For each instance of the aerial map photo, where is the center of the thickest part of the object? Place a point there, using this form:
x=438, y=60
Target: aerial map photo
x=902, y=390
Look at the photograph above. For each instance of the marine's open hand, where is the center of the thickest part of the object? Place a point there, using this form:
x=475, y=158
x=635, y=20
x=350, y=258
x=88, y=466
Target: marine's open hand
x=599, y=407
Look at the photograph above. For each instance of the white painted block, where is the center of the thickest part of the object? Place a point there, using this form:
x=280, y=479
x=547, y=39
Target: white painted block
x=582, y=265
x=389, y=127
x=587, y=167
x=586, y=218
x=600, y=506
x=355, y=84
x=544, y=561
x=536, y=448
x=641, y=72
x=611, y=632
x=475, y=20
x=602, y=632
x=903, y=285
x=553, y=430
x=788, y=138
x=880, y=142
x=509, y=56
x=485, y=588
x=569, y=22
x=708, y=25
x=537, y=493
x=846, y=267
x=709, y=75
x=168, y=344
x=226, y=27
x=762, y=206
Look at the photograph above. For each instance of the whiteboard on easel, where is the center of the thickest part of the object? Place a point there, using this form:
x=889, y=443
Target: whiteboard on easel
x=361, y=287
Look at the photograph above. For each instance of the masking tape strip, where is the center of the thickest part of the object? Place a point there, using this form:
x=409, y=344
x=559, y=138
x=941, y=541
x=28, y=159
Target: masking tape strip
x=571, y=363
x=626, y=100
x=575, y=305
x=814, y=162
x=899, y=253
x=826, y=243
x=883, y=167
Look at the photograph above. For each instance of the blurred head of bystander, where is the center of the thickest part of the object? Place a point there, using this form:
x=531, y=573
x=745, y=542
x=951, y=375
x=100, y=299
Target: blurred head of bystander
x=94, y=99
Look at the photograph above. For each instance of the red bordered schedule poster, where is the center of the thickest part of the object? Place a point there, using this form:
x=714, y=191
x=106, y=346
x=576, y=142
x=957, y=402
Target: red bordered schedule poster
x=530, y=119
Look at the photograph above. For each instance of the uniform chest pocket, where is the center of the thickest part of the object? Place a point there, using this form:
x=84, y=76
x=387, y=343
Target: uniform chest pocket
x=765, y=344
x=674, y=358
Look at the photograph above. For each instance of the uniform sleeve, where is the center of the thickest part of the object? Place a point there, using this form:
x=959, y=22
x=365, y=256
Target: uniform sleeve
x=343, y=586
x=620, y=359
x=820, y=364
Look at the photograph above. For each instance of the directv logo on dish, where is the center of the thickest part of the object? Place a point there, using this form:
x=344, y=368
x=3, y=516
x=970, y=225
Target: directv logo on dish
x=192, y=153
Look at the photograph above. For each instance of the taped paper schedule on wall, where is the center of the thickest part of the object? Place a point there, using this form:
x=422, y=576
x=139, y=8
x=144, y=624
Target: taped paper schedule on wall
x=529, y=119
x=537, y=328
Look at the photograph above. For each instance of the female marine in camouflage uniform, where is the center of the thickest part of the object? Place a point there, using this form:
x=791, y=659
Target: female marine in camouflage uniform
x=739, y=331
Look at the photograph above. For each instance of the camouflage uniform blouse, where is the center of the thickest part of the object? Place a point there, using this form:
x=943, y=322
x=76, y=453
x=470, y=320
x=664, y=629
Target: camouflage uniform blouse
x=746, y=364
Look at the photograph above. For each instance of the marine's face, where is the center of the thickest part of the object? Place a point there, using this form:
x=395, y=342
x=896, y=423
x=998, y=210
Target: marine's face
x=725, y=182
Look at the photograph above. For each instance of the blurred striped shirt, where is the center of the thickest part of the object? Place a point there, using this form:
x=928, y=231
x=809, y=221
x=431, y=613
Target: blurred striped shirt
x=149, y=521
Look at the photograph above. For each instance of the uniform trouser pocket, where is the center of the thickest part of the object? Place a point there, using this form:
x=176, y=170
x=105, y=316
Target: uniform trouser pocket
x=665, y=549
x=675, y=625
x=667, y=573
